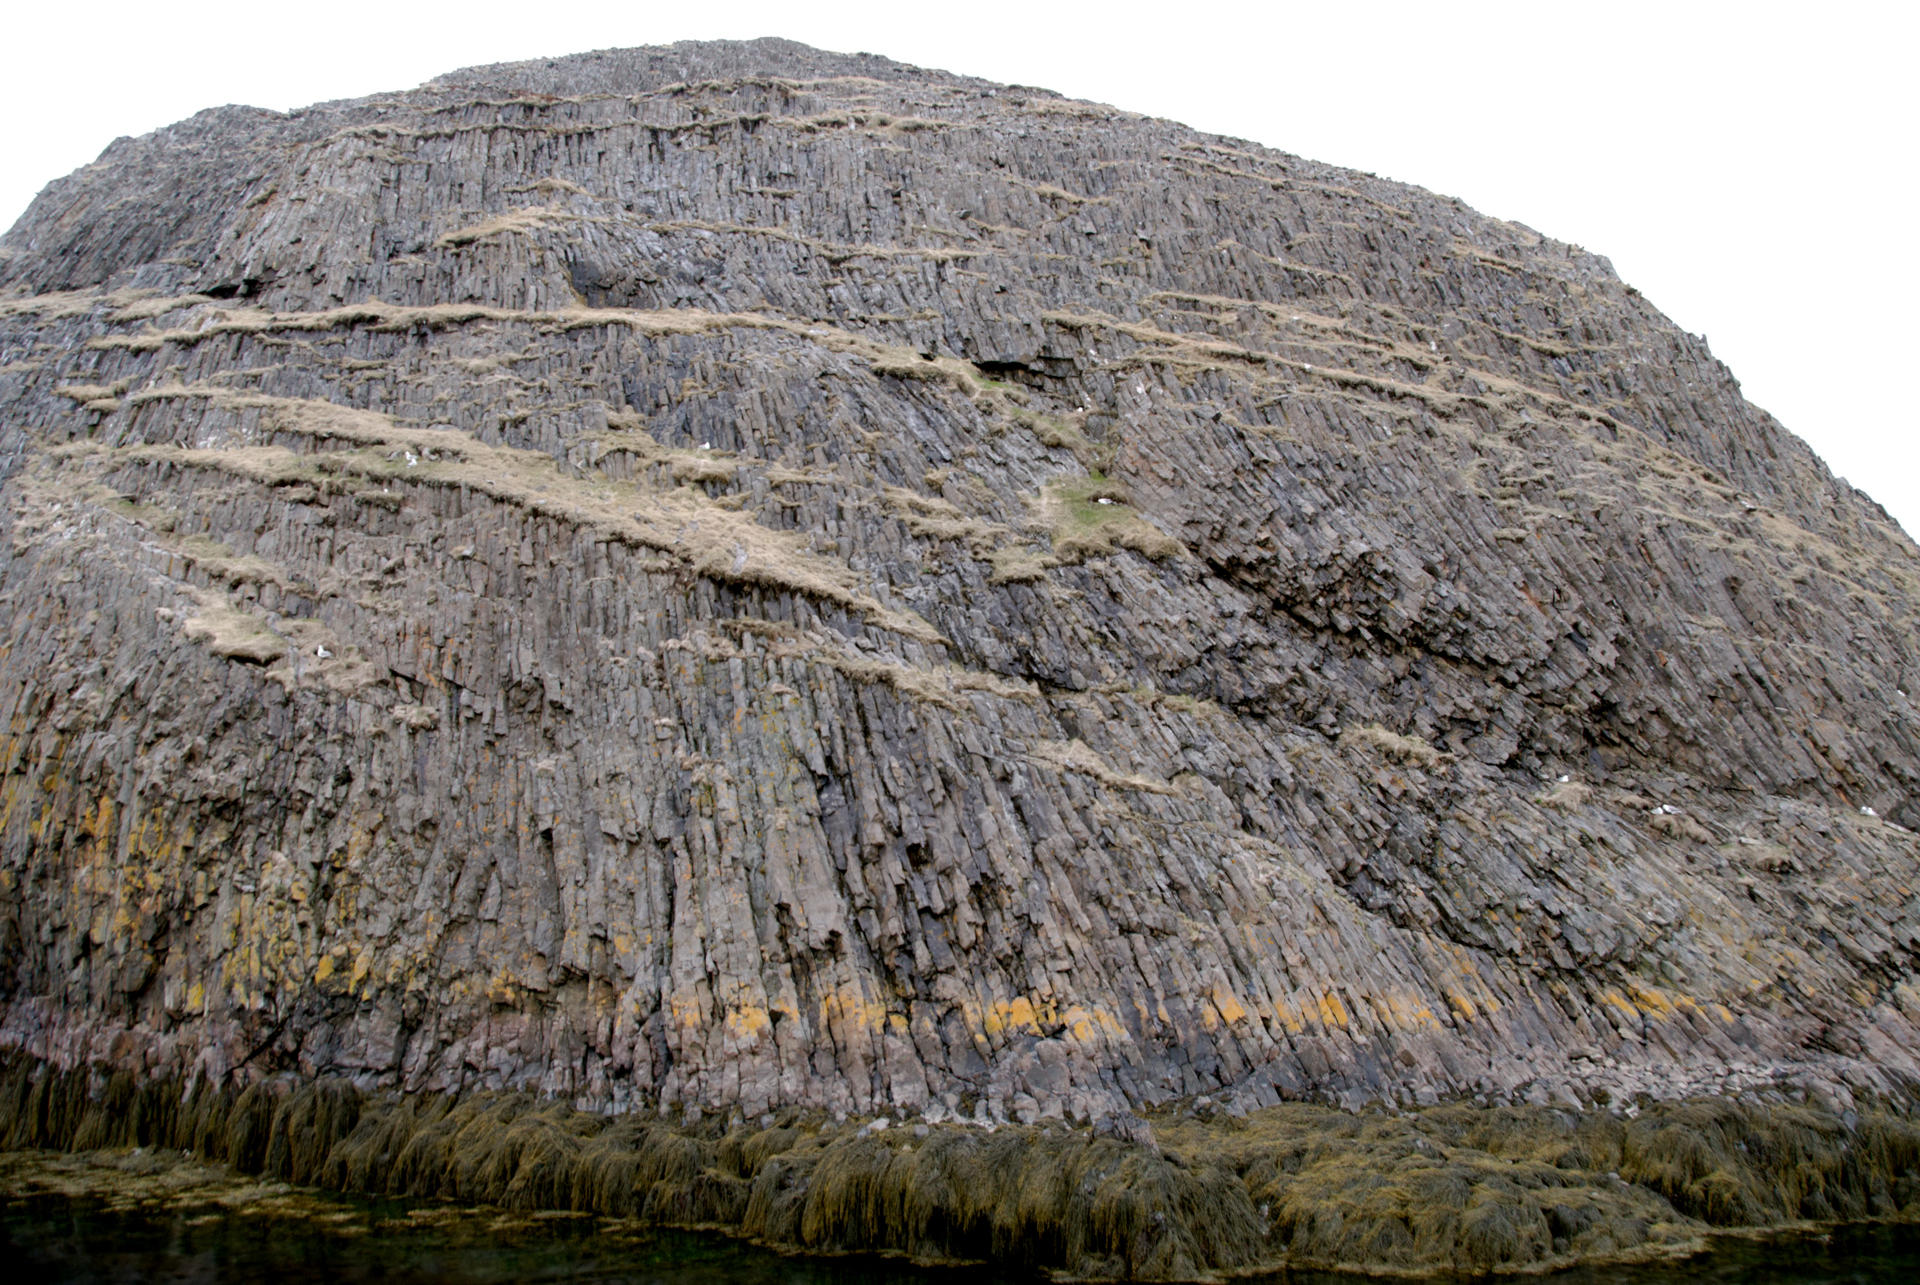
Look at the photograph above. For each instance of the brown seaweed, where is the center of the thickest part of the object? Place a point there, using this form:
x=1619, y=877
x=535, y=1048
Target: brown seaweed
x=1450, y=1188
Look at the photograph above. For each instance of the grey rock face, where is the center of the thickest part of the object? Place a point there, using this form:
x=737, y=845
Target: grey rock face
x=731, y=576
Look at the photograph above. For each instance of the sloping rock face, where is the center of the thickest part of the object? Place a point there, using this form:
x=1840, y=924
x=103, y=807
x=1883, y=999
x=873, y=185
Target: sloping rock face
x=733, y=577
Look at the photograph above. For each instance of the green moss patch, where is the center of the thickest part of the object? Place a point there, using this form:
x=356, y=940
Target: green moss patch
x=1091, y=518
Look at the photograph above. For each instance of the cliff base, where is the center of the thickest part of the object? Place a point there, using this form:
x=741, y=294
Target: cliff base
x=1176, y=1197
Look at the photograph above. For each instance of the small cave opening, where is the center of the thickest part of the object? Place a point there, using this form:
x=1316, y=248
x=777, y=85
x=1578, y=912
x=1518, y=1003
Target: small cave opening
x=245, y=288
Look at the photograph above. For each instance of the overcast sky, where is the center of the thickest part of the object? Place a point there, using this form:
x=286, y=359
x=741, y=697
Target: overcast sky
x=1750, y=167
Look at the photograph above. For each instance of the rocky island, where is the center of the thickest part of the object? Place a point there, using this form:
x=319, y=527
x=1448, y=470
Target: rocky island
x=747, y=636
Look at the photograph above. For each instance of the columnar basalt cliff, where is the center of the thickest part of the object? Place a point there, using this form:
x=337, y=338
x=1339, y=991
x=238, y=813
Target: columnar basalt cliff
x=732, y=578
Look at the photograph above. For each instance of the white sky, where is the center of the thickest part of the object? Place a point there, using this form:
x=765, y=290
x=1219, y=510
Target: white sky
x=1750, y=167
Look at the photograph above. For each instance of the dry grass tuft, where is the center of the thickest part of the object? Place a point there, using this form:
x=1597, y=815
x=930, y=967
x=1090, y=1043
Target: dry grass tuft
x=392, y=318
x=90, y=392
x=941, y=686
x=901, y=363
x=1015, y=564
x=56, y=305
x=102, y=399
x=223, y=564
x=627, y=435
x=1068, y=433
x=1077, y=756
x=232, y=633
x=158, y=306
x=419, y=718
x=933, y=518
x=1677, y=825
x=552, y=185
x=510, y=221
x=1410, y=750
x=297, y=651
x=701, y=469
x=1566, y=796
x=713, y=539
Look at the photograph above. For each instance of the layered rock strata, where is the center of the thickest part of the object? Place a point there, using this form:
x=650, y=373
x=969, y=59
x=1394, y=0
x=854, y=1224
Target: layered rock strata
x=733, y=578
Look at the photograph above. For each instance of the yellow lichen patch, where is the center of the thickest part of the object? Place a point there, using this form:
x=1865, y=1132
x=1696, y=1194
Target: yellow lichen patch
x=1403, y=1011
x=1090, y=1024
x=1018, y=1015
x=1035, y=1015
x=747, y=1021
x=849, y=1009
x=1229, y=1009
x=1662, y=1004
x=1290, y=1017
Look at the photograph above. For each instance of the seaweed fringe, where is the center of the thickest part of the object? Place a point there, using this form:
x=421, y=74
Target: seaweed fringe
x=1447, y=1189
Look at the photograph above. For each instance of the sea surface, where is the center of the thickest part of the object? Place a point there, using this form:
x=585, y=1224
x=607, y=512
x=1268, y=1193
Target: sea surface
x=49, y=1237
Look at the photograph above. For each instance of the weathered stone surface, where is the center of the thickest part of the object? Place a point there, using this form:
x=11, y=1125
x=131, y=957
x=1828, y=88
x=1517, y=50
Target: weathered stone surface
x=734, y=577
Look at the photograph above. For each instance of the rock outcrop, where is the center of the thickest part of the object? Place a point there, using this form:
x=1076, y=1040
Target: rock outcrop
x=732, y=578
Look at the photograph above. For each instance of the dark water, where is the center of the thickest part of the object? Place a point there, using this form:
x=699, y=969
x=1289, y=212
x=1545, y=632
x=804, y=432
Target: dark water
x=48, y=1238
